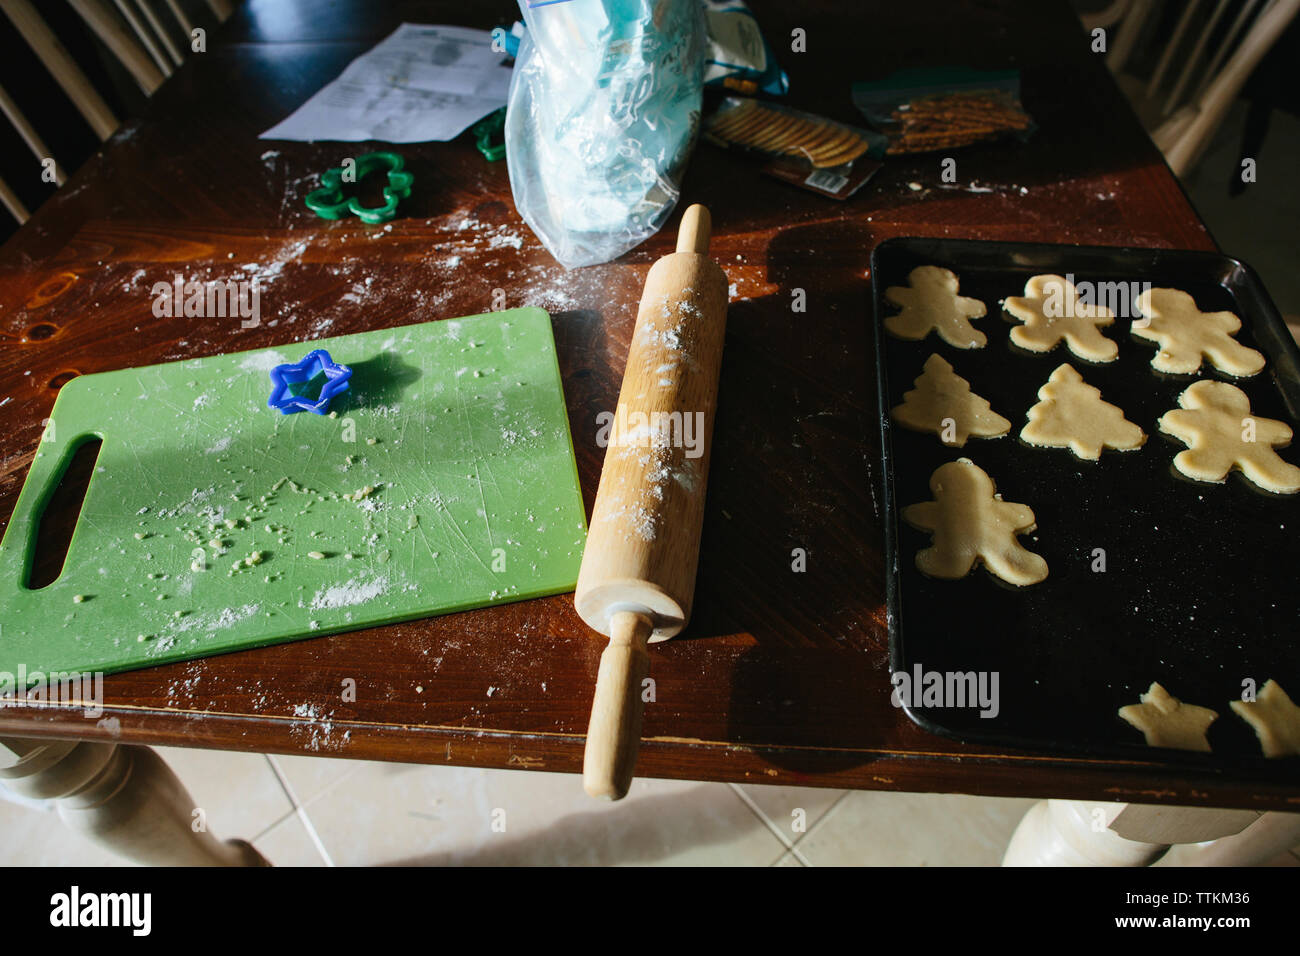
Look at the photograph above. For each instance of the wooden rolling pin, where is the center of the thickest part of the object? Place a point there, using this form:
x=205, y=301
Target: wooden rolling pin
x=638, y=570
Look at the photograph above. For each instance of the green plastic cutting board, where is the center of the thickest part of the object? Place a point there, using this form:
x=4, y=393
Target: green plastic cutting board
x=457, y=427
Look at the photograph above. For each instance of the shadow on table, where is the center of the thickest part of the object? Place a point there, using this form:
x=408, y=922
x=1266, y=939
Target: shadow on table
x=580, y=345
x=792, y=550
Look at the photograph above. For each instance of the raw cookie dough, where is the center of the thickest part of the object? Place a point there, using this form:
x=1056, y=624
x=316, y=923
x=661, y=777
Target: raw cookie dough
x=1071, y=414
x=1168, y=722
x=971, y=523
x=1185, y=334
x=943, y=403
x=930, y=301
x=1221, y=434
x=1051, y=311
x=1276, y=720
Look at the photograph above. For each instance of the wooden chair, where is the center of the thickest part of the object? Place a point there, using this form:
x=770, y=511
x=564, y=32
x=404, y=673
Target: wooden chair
x=1199, y=68
x=142, y=41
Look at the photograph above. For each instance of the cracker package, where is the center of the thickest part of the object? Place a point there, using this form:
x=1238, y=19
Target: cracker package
x=925, y=110
x=739, y=59
x=819, y=154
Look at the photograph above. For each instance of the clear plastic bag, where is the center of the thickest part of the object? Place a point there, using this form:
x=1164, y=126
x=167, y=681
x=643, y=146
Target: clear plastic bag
x=603, y=111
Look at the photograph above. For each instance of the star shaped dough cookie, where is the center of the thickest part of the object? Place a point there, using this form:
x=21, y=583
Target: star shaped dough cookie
x=1186, y=335
x=1071, y=414
x=970, y=523
x=1051, y=312
x=943, y=403
x=1276, y=720
x=1166, y=721
x=930, y=301
x=1221, y=434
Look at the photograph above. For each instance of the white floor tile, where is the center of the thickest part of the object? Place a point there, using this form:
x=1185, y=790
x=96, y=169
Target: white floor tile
x=239, y=792
x=913, y=829
x=288, y=843
x=309, y=777
x=791, y=812
x=39, y=838
x=404, y=814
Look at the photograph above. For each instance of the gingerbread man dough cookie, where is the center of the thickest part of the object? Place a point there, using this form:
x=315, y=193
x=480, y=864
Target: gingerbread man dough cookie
x=1168, y=722
x=943, y=403
x=1186, y=335
x=1276, y=720
x=1221, y=434
x=971, y=523
x=1071, y=414
x=930, y=301
x=1051, y=311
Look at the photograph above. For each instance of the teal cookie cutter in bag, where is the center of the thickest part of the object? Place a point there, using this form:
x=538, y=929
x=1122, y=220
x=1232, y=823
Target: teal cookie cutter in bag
x=328, y=201
x=604, y=107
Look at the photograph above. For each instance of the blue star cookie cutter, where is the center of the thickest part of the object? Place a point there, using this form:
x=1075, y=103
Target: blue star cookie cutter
x=284, y=377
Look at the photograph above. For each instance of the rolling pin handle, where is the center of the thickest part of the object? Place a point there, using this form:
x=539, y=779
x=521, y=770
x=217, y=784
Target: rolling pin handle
x=614, y=733
x=693, y=233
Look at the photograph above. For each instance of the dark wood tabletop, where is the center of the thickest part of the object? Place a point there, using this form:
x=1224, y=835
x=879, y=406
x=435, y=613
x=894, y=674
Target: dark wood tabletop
x=781, y=677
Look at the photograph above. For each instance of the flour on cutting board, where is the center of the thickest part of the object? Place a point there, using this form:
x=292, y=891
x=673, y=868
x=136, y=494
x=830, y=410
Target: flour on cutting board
x=348, y=594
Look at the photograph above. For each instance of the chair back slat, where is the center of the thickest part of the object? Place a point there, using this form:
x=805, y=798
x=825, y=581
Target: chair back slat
x=1243, y=17
x=11, y=202
x=120, y=43
x=62, y=67
x=168, y=43
x=187, y=25
x=1194, y=58
x=28, y=133
x=1167, y=57
x=132, y=17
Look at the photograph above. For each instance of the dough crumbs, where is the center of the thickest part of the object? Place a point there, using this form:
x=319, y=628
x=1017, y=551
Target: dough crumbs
x=1166, y=721
x=1276, y=720
x=969, y=523
x=1186, y=335
x=1221, y=435
x=943, y=403
x=1051, y=312
x=930, y=301
x=1071, y=414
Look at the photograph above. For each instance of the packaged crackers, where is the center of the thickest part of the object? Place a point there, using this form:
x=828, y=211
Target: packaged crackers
x=925, y=110
x=808, y=150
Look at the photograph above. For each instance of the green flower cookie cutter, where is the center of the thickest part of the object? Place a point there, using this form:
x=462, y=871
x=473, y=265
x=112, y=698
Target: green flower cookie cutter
x=328, y=201
x=489, y=135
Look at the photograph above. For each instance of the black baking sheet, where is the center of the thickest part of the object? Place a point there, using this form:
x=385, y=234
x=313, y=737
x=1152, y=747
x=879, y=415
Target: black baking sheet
x=1202, y=584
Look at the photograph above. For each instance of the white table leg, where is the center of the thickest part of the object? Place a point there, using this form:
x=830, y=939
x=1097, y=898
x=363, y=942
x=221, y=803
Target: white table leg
x=1263, y=841
x=123, y=797
x=1074, y=833
x=1079, y=833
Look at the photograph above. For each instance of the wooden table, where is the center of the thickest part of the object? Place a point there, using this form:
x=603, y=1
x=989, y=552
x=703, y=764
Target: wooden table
x=782, y=676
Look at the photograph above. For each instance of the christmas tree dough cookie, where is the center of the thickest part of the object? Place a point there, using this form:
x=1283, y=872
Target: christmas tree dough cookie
x=1071, y=414
x=1276, y=720
x=930, y=301
x=1051, y=311
x=1221, y=434
x=970, y=523
x=1168, y=722
x=1185, y=335
x=943, y=403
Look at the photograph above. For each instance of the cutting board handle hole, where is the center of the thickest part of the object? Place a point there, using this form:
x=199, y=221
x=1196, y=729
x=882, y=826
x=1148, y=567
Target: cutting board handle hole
x=60, y=515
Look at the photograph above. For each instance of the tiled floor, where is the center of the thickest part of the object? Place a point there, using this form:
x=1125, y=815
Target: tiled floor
x=319, y=811
x=311, y=811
